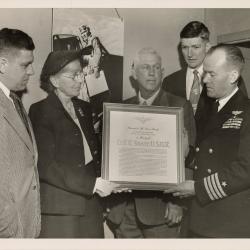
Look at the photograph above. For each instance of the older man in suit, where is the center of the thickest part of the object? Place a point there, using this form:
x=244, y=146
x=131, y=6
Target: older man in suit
x=221, y=189
x=150, y=214
x=19, y=186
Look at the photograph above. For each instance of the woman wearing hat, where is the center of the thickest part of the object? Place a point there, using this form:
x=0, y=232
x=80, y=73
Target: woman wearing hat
x=69, y=156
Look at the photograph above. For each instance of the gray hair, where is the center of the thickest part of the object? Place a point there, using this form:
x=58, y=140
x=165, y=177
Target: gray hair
x=143, y=51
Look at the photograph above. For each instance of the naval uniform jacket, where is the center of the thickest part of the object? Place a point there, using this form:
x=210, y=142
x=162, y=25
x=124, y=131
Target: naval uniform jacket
x=221, y=207
x=66, y=182
x=151, y=205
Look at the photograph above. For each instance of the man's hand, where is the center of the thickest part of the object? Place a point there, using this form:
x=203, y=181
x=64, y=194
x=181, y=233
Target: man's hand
x=104, y=187
x=182, y=190
x=122, y=190
x=173, y=214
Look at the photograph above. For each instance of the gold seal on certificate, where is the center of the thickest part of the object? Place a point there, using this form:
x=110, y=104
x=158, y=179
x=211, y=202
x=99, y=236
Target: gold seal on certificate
x=142, y=146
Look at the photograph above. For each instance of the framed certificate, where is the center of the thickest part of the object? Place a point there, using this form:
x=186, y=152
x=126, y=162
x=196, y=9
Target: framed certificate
x=142, y=146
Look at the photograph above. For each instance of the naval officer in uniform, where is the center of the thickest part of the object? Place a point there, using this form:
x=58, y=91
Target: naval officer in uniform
x=221, y=186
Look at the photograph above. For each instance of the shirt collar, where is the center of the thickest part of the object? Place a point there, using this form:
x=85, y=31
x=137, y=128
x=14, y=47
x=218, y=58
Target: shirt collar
x=199, y=69
x=223, y=101
x=65, y=100
x=5, y=90
x=150, y=100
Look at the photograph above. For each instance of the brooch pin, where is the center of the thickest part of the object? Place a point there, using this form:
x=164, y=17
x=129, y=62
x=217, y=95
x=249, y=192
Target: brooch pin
x=80, y=112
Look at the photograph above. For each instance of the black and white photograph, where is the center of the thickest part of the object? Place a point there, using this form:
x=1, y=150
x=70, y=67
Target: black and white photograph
x=124, y=125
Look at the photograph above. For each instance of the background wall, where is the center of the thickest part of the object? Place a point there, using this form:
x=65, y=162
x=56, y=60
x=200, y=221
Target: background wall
x=158, y=28
x=224, y=21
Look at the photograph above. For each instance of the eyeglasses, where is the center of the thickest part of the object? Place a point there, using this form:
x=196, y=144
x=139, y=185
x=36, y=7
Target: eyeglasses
x=78, y=77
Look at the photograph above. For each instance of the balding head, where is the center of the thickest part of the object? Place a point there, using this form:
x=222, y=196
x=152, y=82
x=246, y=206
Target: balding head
x=222, y=68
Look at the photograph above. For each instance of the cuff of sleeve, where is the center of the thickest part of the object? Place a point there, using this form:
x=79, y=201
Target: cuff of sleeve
x=201, y=193
x=209, y=189
x=96, y=185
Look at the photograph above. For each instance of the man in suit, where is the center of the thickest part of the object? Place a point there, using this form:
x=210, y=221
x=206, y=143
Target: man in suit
x=221, y=187
x=19, y=186
x=69, y=161
x=187, y=82
x=150, y=214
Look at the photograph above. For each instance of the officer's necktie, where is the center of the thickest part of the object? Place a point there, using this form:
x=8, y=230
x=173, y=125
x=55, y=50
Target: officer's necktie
x=195, y=91
x=214, y=109
x=21, y=112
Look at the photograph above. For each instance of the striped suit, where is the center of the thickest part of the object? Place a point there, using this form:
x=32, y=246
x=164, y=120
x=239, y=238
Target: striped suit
x=19, y=186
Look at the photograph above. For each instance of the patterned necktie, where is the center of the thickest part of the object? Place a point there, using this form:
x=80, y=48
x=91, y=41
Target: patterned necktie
x=195, y=91
x=21, y=112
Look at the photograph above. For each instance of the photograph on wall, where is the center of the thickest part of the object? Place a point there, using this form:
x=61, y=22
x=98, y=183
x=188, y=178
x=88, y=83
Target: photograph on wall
x=100, y=39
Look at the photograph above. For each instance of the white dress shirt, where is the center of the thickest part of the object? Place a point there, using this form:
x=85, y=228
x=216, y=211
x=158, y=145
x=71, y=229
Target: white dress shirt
x=150, y=100
x=223, y=101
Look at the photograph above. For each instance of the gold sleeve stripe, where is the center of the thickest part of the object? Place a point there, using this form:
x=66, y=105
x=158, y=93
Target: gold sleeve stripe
x=215, y=187
x=208, y=190
x=210, y=185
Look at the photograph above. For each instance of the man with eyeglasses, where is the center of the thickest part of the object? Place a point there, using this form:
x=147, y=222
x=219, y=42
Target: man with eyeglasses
x=69, y=153
x=150, y=214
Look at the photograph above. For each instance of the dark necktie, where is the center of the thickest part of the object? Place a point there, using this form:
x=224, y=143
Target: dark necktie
x=195, y=91
x=214, y=108
x=20, y=110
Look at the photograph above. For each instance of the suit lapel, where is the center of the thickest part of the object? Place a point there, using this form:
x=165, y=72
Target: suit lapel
x=55, y=102
x=12, y=117
x=161, y=99
x=81, y=114
x=182, y=83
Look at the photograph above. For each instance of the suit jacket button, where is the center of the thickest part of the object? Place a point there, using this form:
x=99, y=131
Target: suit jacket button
x=95, y=152
x=209, y=171
x=197, y=149
x=210, y=151
x=195, y=167
x=34, y=187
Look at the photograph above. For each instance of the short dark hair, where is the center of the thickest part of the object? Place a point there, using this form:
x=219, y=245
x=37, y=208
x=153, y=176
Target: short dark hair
x=233, y=54
x=14, y=39
x=195, y=29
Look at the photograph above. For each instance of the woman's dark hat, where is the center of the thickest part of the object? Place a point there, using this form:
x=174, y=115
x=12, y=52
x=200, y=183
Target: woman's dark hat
x=56, y=61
